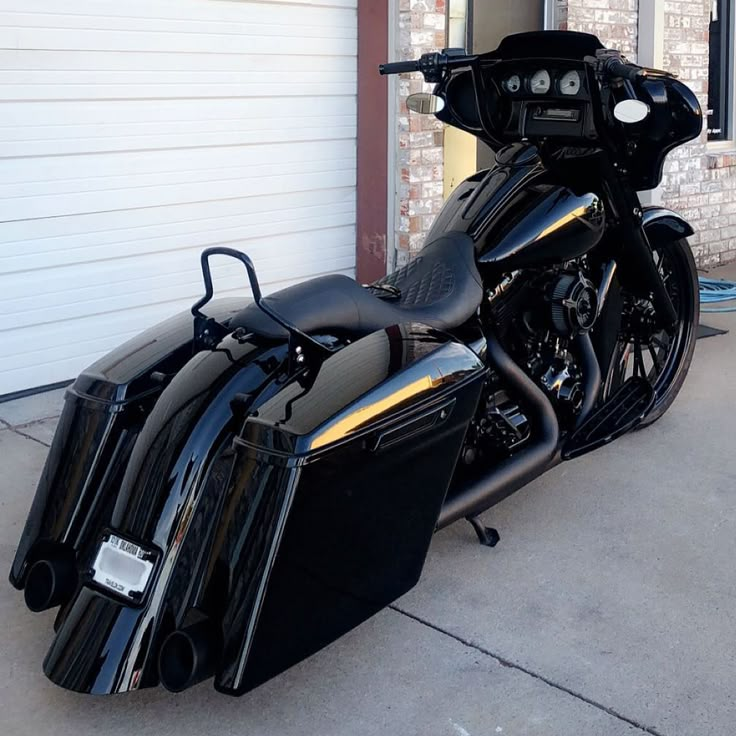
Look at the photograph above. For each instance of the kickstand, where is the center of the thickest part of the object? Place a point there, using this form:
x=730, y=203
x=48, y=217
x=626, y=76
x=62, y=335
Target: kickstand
x=486, y=536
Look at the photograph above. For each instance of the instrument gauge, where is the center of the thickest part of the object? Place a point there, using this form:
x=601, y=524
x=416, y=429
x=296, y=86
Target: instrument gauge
x=570, y=83
x=540, y=82
x=513, y=84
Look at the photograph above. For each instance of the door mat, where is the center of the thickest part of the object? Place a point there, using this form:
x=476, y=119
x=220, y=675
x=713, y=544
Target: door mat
x=705, y=331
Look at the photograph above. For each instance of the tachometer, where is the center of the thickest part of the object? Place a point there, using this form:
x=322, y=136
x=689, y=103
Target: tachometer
x=570, y=83
x=513, y=84
x=540, y=82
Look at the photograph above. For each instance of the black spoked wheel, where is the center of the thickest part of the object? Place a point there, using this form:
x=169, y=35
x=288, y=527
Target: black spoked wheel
x=663, y=357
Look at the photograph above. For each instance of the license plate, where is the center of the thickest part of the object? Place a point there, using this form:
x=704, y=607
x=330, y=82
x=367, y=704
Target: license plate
x=123, y=567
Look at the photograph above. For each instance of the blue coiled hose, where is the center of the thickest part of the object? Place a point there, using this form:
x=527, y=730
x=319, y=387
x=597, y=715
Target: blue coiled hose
x=717, y=292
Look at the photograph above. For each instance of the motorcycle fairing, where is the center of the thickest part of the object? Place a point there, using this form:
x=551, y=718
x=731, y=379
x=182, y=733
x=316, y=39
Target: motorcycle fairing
x=317, y=516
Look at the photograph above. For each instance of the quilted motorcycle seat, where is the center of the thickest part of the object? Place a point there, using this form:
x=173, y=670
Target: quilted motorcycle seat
x=441, y=288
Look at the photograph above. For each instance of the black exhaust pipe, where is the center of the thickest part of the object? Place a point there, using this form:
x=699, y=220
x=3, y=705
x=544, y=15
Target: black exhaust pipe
x=592, y=376
x=512, y=474
x=189, y=656
x=50, y=583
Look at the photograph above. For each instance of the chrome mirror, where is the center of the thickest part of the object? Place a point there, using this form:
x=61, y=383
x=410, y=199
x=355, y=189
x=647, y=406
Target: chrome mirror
x=425, y=103
x=631, y=111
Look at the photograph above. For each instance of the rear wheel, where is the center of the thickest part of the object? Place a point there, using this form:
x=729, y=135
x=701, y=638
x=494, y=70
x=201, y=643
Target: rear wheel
x=663, y=357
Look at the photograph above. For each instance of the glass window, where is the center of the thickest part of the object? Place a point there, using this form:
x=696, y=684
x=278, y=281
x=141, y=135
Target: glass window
x=720, y=71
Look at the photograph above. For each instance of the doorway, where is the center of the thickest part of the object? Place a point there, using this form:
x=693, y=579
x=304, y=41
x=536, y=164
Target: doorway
x=480, y=25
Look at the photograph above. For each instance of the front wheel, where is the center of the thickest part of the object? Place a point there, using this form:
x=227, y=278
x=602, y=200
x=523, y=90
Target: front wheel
x=663, y=357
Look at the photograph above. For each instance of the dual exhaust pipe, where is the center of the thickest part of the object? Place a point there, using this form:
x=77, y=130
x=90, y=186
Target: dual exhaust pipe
x=187, y=657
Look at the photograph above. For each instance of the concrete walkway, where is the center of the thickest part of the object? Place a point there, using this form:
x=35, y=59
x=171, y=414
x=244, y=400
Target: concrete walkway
x=608, y=608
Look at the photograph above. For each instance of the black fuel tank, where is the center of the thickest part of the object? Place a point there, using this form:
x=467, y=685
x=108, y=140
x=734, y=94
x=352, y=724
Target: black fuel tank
x=518, y=218
x=550, y=225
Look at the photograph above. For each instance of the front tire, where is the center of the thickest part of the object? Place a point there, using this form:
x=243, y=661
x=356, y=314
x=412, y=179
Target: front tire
x=661, y=356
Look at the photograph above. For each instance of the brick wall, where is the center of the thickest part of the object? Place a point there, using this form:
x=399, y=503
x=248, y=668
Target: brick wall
x=420, y=157
x=698, y=182
x=615, y=22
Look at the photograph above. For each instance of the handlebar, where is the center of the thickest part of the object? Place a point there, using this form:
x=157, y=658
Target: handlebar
x=399, y=67
x=609, y=64
x=432, y=65
x=615, y=68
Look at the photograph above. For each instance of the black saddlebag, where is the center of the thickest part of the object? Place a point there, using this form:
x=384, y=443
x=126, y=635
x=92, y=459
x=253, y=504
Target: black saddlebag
x=344, y=480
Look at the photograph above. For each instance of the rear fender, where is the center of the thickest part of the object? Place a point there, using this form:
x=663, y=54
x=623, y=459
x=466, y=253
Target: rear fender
x=169, y=502
x=104, y=412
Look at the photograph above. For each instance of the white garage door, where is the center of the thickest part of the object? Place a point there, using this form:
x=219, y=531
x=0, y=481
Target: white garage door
x=135, y=133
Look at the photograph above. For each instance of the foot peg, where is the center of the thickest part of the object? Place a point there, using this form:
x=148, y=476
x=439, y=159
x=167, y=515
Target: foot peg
x=486, y=536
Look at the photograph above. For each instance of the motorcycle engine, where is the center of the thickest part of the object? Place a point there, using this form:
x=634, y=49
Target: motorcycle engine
x=574, y=303
x=537, y=314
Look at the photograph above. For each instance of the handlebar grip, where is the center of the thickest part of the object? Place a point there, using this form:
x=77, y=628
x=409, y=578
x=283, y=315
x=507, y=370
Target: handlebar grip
x=399, y=67
x=630, y=72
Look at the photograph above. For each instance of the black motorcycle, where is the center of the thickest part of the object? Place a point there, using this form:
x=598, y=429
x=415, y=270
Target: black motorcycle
x=224, y=499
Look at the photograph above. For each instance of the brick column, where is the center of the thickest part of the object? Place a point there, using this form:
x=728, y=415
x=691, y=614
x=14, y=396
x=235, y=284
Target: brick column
x=420, y=159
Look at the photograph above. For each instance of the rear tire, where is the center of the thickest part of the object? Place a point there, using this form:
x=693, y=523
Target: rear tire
x=662, y=356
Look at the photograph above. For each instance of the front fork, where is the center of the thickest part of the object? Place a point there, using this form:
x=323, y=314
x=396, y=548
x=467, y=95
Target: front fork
x=637, y=266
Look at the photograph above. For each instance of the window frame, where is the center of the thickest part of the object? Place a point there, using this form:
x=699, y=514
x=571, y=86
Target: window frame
x=728, y=142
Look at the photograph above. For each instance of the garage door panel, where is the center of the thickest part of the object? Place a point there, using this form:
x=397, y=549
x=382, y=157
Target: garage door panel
x=140, y=228
x=167, y=133
x=132, y=111
x=258, y=235
x=264, y=40
x=193, y=12
x=77, y=144
x=302, y=24
x=48, y=343
x=103, y=182
x=24, y=208
x=45, y=170
x=243, y=21
x=135, y=134
x=238, y=81
x=38, y=369
x=123, y=276
x=143, y=91
x=155, y=285
x=243, y=61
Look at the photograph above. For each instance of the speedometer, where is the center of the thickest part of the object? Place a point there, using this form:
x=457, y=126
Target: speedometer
x=570, y=83
x=513, y=83
x=540, y=82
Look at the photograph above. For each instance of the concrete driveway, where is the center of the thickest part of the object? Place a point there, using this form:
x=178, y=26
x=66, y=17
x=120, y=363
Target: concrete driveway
x=608, y=608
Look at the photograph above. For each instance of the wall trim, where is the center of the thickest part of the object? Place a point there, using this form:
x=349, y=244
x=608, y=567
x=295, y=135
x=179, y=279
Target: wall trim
x=650, y=52
x=372, y=226
x=651, y=34
x=550, y=15
x=392, y=150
